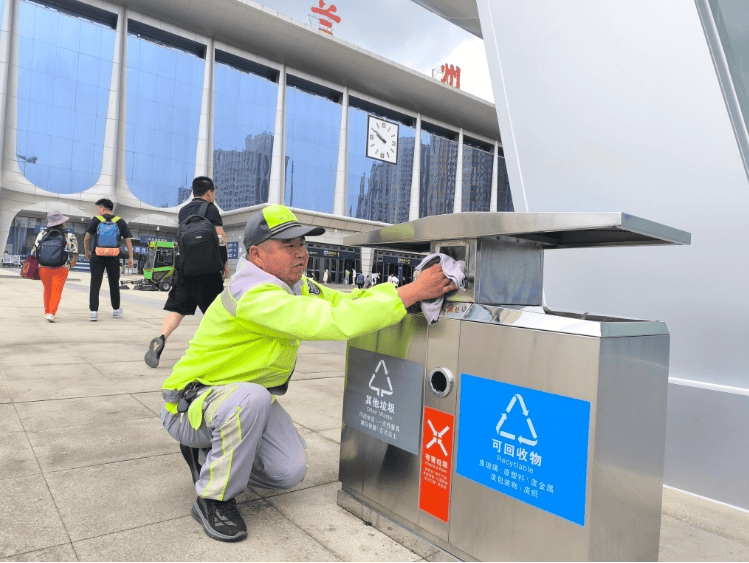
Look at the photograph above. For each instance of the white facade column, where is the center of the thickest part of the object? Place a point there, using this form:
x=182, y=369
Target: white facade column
x=277, y=165
x=12, y=174
x=105, y=185
x=495, y=180
x=458, y=201
x=203, y=160
x=341, y=177
x=367, y=261
x=413, y=210
x=121, y=129
x=5, y=43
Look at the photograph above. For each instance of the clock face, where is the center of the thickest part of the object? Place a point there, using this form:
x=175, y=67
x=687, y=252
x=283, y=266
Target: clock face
x=382, y=140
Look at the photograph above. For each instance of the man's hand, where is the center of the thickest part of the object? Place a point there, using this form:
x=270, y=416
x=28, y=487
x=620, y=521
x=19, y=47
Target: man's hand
x=130, y=263
x=226, y=271
x=431, y=283
x=88, y=254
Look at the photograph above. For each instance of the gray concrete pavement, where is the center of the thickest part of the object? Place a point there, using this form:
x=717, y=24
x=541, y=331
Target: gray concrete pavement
x=88, y=473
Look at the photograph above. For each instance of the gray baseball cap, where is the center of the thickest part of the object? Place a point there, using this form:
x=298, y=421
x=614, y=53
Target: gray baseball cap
x=276, y=222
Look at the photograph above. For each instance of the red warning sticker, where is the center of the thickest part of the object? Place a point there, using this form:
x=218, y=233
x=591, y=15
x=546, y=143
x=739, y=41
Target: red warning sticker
x=436, y=463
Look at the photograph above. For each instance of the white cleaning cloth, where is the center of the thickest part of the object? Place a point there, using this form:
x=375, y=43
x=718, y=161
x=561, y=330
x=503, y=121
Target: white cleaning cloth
x=453, y=269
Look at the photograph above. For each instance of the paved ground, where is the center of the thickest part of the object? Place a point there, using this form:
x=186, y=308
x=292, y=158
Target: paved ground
x=88, y=473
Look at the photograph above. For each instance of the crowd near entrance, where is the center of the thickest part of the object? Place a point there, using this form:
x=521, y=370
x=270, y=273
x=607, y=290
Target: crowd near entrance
x=335, y=259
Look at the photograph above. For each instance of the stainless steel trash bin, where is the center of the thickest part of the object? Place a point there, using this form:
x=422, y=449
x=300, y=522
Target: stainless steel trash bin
x=507, y=430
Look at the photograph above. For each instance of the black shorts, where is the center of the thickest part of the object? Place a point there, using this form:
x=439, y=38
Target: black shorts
x=190, y=292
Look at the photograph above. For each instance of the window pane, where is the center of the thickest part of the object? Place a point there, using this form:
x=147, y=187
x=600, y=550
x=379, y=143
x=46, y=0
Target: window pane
x=312, y=127
x=163, y=114
x=59, y=89
x=245, y=116
x=504, y=196
x=439, y=162
x=477, y=179
x=378, y=191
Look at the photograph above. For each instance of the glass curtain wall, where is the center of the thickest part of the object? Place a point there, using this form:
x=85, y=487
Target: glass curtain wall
x=64, y=75
x=477, y=179
x=313, y=125
x=164, y=90
x=439, y=162
x=245, y=113
x=504, y=195
x=378, y=191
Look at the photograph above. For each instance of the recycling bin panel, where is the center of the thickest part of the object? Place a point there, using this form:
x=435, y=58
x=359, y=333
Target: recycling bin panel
x=498, y=474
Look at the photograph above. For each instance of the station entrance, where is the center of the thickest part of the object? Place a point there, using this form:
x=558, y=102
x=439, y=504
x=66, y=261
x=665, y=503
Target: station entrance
x=335, y=259
x=400, y=264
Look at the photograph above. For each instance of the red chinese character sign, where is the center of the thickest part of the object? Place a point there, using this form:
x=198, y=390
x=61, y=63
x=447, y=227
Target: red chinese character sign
x=448, y=74
x=436, y=463
x=325, y=17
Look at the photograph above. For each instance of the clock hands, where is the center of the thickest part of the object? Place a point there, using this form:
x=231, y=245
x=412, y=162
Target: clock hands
x=380, y=137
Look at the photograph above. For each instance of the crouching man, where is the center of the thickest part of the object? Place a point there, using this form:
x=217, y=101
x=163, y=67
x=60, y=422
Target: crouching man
x=220, y=399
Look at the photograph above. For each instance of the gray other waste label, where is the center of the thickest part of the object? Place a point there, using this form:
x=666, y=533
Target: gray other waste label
x=384, y=398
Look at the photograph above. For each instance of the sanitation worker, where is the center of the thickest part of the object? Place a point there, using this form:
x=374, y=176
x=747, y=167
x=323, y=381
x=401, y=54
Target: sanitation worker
x=220, y=399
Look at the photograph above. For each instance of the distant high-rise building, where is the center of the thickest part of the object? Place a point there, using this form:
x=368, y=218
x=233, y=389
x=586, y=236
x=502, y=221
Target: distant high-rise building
x=242, y=177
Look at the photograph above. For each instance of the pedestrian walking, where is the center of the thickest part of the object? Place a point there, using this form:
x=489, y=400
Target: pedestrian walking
x=359, y=280
x=325, y=276
x=201, y=269
x=57, y=252
x=107, y=231
x=219, y=402
x=347, y=276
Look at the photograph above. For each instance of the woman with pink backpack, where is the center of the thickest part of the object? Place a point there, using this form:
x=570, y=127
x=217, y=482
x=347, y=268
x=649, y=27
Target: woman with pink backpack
x=56, y=251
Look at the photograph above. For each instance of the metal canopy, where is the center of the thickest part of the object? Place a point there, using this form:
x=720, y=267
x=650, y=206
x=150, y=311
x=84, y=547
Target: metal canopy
x=551, y=230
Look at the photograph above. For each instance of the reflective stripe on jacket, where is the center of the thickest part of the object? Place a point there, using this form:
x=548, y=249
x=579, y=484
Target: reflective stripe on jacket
x=251, y=333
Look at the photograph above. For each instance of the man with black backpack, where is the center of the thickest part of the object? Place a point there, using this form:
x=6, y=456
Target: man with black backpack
x=107, y=230
x=202, y=264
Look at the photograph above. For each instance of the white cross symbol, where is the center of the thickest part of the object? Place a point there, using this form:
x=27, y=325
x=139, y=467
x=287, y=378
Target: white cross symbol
x=437, y=437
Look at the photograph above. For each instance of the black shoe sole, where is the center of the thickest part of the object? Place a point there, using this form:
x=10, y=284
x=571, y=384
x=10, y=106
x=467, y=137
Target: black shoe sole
x=210, y=532
x=154, y=352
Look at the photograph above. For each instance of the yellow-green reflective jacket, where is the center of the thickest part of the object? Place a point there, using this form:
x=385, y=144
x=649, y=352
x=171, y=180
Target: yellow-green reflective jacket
x=252, y=331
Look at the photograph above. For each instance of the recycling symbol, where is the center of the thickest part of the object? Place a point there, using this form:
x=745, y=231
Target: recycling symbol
x=381, y=392
x=517, y=399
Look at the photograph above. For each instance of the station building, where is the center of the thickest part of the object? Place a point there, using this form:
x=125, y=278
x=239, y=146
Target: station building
x=132, y=100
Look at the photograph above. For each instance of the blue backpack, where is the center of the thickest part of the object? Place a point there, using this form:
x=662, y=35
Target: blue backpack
x=107, y=237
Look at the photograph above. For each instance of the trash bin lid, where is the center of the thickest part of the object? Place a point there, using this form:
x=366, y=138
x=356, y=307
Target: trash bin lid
x=550, y=230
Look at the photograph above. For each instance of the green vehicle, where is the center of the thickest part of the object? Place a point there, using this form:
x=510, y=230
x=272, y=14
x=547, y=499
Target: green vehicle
x=158, y=271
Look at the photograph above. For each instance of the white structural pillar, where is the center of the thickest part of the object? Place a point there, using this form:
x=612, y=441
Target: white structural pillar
x=277, y=168
x=458, y=200
x=105, y=184
x=495, y=180
x=413, y=211
x=205, y=125
x=367, y=261
x=5, y=41
x=341, y=177
x=121, y=145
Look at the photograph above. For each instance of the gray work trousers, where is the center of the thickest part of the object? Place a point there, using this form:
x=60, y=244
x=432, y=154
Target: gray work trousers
x=251, y=441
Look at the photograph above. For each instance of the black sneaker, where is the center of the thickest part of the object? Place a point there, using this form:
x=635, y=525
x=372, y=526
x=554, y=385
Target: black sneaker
x=191, y=457
x=154, y=351
x=220, y=519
